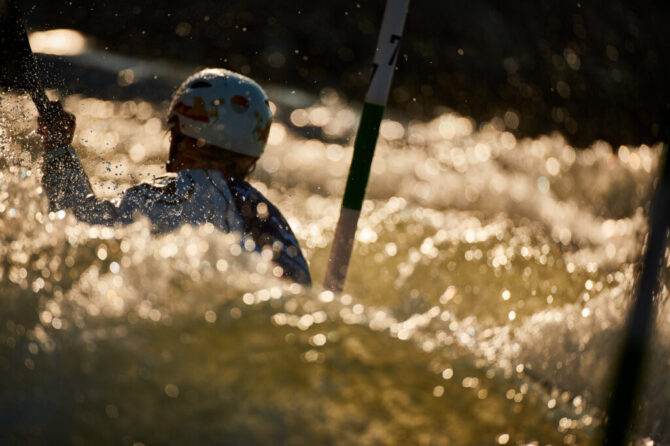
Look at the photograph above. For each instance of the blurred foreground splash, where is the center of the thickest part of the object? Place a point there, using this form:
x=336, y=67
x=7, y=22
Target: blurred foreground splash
x=484, y=303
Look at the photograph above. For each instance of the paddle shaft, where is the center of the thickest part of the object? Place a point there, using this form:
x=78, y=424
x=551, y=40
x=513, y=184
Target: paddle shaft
x=633, y=355
x=639, y=329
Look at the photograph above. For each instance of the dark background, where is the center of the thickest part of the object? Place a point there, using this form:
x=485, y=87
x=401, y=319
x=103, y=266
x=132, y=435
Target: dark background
x=589, y=69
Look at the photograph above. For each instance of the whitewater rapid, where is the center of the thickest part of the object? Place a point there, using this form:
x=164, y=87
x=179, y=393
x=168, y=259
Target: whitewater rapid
x=488, y=286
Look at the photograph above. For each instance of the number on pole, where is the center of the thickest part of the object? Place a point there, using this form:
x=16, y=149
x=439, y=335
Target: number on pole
x=394, y=39
x=374, y=70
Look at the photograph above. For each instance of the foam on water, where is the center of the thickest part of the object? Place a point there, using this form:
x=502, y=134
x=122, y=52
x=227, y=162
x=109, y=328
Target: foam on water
x=486, y=293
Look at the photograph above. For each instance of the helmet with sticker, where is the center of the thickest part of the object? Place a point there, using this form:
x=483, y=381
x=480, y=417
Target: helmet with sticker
x=224, y=109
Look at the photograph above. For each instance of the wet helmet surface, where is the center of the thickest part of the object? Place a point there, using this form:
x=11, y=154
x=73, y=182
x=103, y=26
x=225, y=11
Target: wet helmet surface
x=225, y=109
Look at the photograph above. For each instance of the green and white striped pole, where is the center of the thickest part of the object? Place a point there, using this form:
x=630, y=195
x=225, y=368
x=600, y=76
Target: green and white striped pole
x=366, y=140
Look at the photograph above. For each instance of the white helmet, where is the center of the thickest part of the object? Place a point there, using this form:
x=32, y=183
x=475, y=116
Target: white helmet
x=225, y=109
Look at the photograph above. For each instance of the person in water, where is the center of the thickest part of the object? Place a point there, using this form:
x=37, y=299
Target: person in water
x=219, y=123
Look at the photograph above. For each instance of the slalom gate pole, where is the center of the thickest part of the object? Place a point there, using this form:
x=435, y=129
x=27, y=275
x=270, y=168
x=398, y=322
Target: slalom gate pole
x=635, y=345
x=366, y=139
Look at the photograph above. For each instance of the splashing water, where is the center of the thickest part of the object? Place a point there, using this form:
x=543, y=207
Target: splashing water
x=489, y=283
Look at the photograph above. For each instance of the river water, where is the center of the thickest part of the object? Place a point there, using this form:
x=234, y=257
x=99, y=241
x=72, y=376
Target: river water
x=486, y=294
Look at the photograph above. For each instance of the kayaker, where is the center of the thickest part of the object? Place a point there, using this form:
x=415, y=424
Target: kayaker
x=219, y=123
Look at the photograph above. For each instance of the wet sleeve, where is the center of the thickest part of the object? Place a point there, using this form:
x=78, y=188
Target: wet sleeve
x=68, y=187
x=287, y=254
x=268, y=228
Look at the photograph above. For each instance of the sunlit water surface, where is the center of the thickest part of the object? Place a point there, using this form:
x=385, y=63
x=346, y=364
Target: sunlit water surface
x=484, y=303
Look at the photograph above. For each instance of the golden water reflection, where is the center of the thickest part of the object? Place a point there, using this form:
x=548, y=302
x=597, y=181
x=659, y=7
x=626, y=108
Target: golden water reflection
x=488, y=282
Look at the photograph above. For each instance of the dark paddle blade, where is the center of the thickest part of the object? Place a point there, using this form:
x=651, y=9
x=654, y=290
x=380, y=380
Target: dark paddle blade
x=19, y=70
